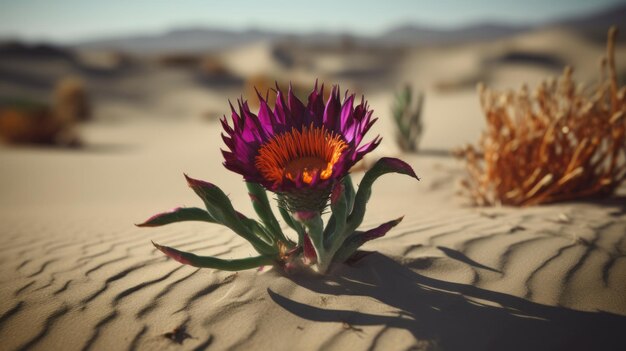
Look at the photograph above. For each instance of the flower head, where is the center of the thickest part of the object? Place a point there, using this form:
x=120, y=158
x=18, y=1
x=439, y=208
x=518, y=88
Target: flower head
x=295, y=150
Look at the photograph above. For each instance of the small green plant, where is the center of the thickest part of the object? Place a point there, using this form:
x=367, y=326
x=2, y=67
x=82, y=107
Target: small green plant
x=407, y=115
x=303, y=154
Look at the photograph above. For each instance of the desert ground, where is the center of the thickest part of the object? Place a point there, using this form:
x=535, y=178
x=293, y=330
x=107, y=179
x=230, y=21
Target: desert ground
x=76, y=274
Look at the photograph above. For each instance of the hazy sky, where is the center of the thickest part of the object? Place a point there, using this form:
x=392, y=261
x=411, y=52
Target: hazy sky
x=71, y=20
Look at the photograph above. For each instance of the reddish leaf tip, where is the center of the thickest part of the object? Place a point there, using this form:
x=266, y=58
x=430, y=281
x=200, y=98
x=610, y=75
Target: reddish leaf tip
x=158, y=247
x=194, y=183
x=149, y=222
x=188, y=179
x=381, y=230
x=172, y=253
x=253, y=197
x=399, y=166
x=398, y=220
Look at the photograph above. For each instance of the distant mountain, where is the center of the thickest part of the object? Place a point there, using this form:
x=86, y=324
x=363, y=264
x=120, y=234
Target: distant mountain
x=189, y=39
x=418, y=35
x=11, y=48
x=593, y=26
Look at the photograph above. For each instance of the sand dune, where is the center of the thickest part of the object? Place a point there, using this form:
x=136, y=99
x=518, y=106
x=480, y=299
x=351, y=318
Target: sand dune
x=448, y=277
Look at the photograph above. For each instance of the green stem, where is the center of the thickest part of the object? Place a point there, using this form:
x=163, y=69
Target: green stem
x=315, y=229
x=294, y=224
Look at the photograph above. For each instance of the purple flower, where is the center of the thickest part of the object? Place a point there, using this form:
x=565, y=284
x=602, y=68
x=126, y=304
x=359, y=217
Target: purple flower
x=297, y=147
x=304, y=155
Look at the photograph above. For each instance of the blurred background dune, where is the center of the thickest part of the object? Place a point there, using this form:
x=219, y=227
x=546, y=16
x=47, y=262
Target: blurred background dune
x=189, y=70
x=124, y=78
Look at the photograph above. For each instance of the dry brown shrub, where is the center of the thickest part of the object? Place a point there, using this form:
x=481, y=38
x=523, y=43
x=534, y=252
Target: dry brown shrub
x=558, y=143
x=71, y=100
x=213, y=66
x=24, y=121
x=180, y=60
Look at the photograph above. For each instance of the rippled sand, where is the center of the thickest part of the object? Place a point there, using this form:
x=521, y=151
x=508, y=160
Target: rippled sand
x=75, y=273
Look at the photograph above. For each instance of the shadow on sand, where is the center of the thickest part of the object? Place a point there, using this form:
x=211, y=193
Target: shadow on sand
x=617, y=202
x=451, y=314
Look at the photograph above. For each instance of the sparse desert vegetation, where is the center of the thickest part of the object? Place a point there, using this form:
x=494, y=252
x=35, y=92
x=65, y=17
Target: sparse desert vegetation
x=407, y=116
x=27, y=121
x=560, y=141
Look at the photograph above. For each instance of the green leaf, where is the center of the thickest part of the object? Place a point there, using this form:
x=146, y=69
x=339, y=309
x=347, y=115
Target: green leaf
x=339, y=206
x=213, y=262
x=295, y=225
x=349, y=193
x=383, y=166
x=257, y=229
x=179, y=214
x=263, y=209
x=219, y=206
x=349, y=189
x=314, y=225
x=359, y=238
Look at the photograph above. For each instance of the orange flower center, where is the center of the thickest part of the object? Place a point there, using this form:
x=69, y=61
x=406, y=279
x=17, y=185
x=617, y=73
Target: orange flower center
x=306, y=153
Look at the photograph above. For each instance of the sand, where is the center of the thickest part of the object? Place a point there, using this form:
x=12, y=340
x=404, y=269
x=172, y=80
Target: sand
x=76, y=274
